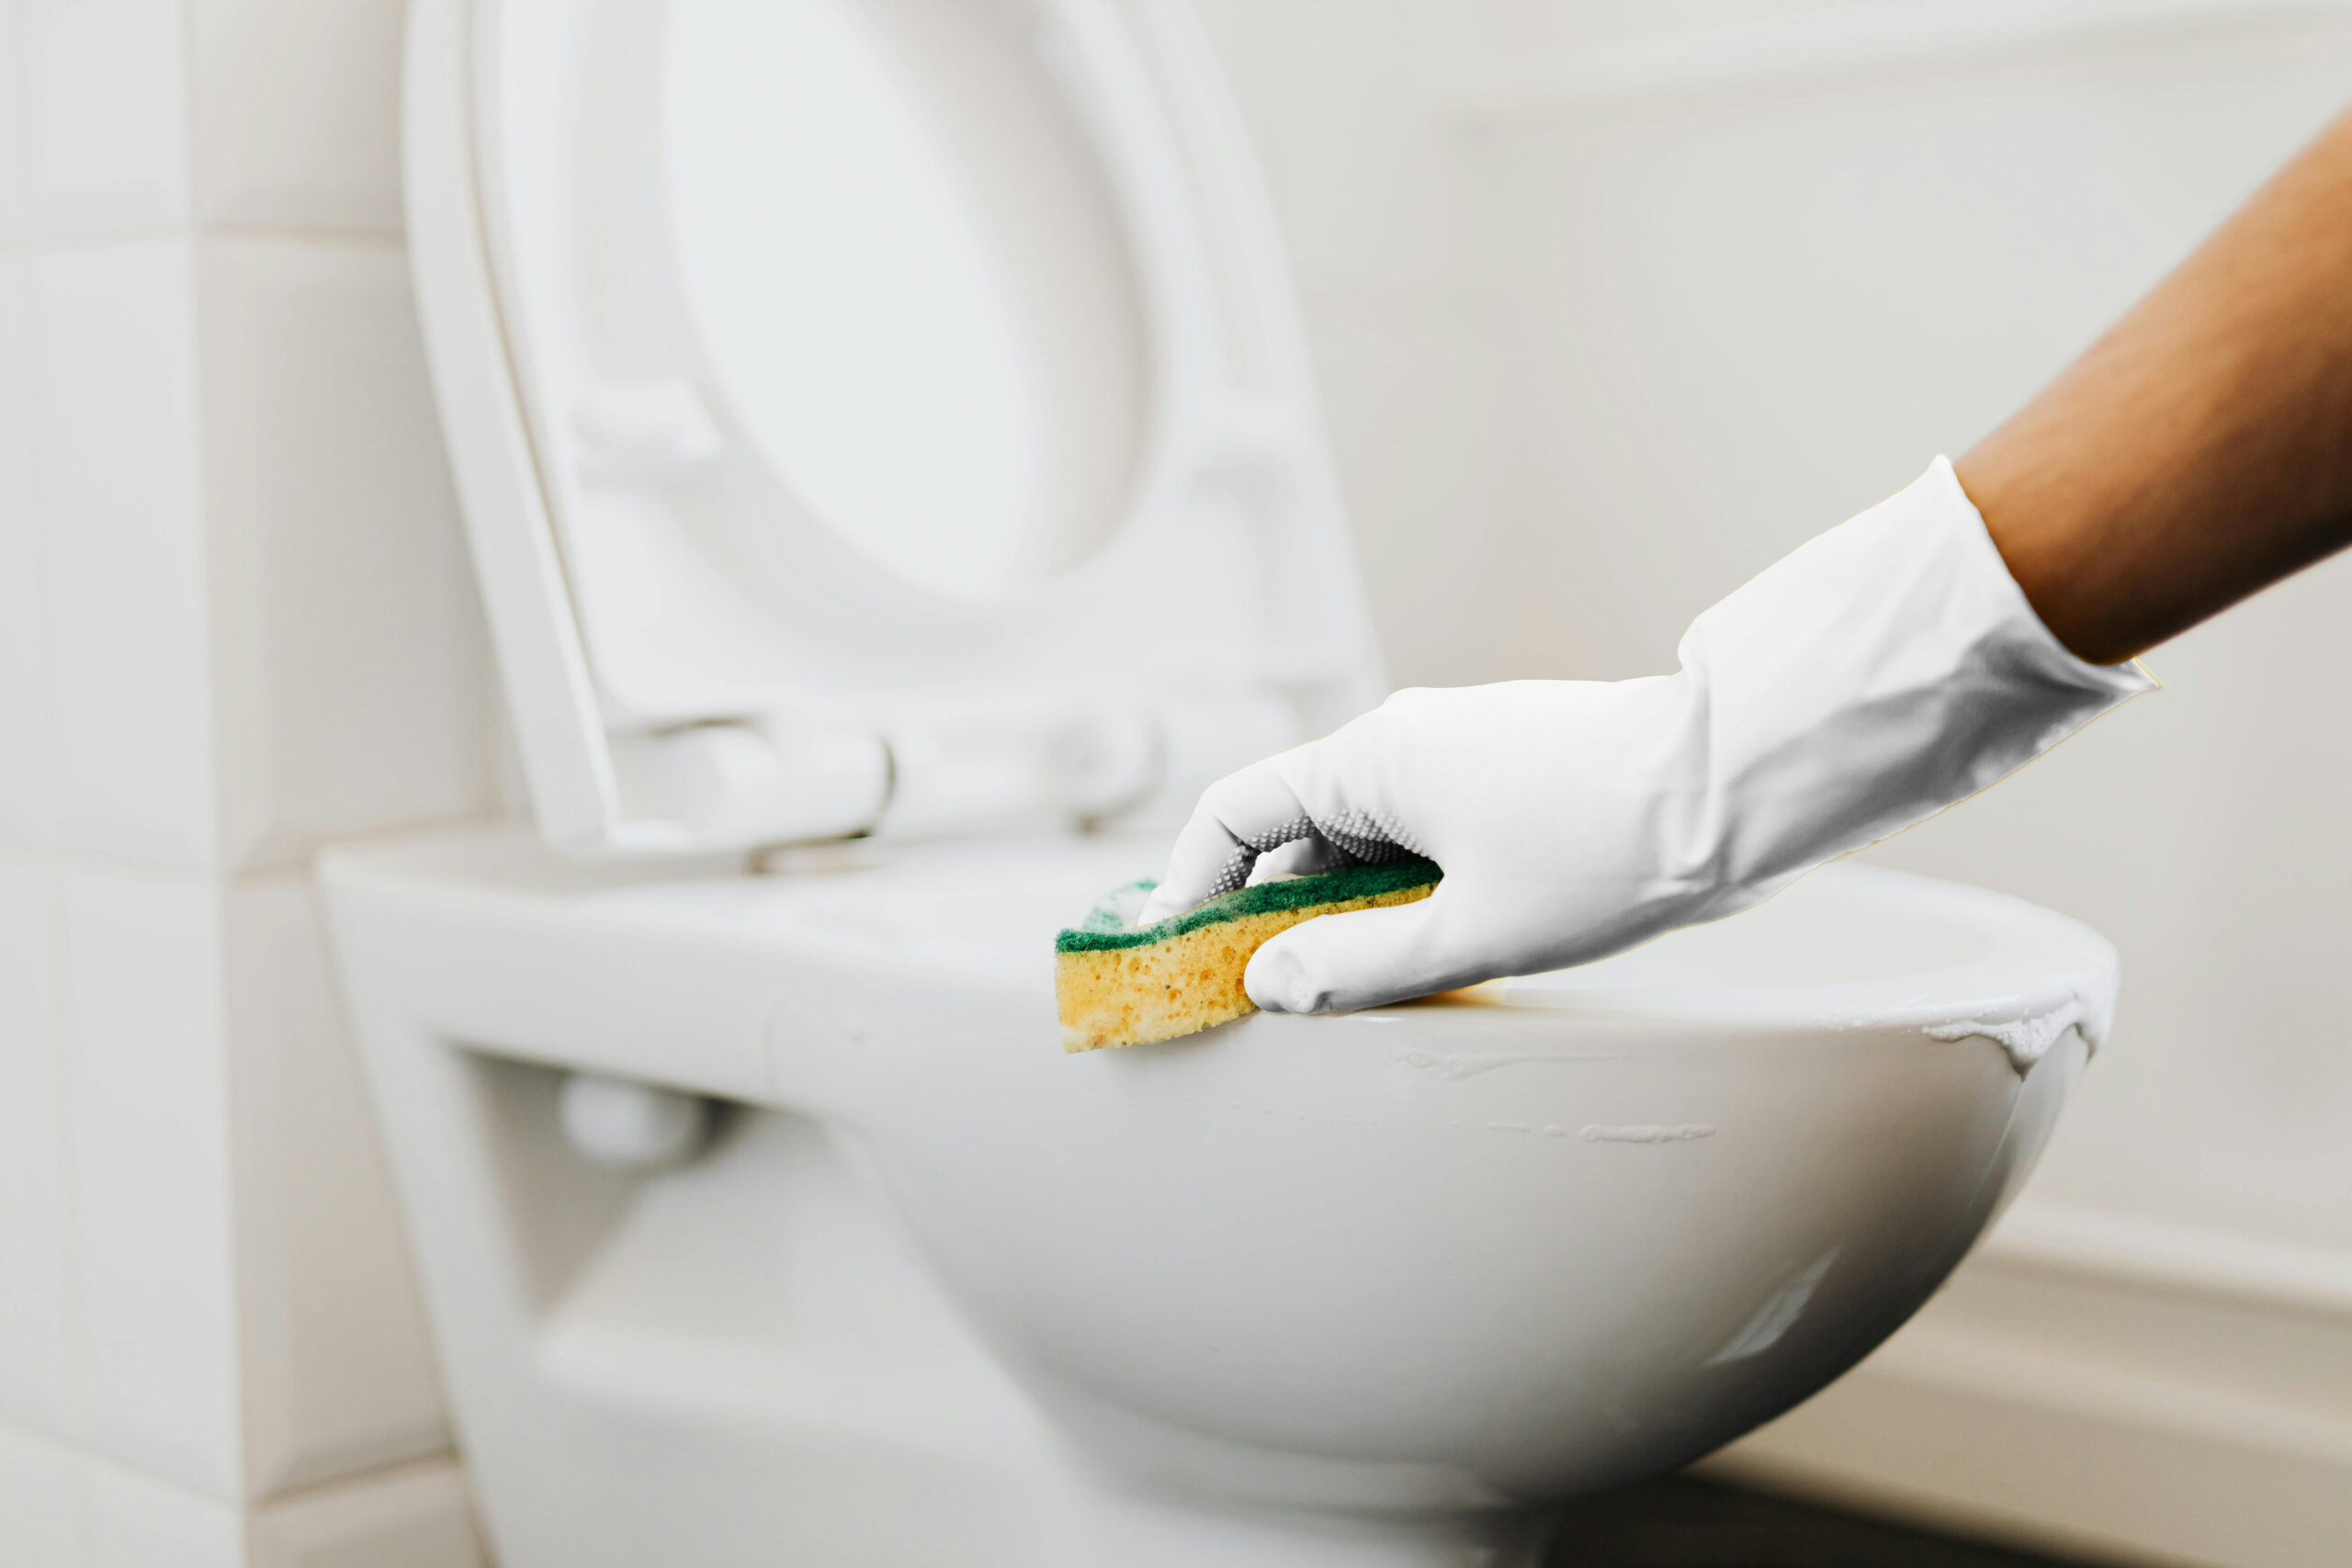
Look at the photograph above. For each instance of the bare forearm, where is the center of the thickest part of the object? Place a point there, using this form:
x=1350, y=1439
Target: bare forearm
x=2202, y=449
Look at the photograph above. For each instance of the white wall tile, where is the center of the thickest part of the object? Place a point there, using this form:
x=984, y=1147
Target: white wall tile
x=339, y=1372
x=123, y=568
x=138, y=1522
x=43, y=1511
x=15, y=213
x=297, y=118
x=350, y=662
x=203, y=1282
x=105, y=107
x=151, y=1174
x=40, y=1347
x=24, y=710
x=414, y=1518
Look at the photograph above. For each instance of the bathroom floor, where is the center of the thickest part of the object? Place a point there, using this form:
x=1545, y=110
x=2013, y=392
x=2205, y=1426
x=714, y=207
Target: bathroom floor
x=1681, y=1523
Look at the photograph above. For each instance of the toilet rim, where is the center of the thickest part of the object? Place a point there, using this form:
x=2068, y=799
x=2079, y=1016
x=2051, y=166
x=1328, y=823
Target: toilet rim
x=2017, y=975
x=2039, y=973
x=1957, y=952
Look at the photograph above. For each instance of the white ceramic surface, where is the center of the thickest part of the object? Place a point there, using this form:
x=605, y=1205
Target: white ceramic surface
x=234, y=619
x=153, y=1250
x=103, y=116
x=121, y=550
x=1356, y=1288
x=40, y=1385
x=24, y=703
x=128, y=1520
x=206, y=1280
x=296, y=118
x=39, y=1497
x=347, y=657
x=336, y=1375
x=61, y=1507
x=415, y=1516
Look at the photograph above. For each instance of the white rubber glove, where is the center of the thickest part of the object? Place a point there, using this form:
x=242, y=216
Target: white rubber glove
x=1871, y=678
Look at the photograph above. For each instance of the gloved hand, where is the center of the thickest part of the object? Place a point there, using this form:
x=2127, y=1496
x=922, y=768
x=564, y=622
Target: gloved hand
x=1874, y=676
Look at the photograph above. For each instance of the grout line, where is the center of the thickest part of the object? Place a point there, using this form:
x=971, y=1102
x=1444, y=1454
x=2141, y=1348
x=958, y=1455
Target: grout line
x=440, y=1461
x=34, y=247
x=57, y=857
x=31, y=247
x=226, y=876
x=383, y=240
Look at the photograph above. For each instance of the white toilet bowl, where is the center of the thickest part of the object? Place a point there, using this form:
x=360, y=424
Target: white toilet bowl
x=1361, y=1289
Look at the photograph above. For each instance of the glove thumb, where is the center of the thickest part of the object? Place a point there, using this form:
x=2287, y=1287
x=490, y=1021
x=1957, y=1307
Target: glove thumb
x=1362, y=959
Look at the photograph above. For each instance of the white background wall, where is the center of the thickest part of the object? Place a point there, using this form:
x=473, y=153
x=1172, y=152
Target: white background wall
x=1616, y=303
x=1610, y=316
x=235, y=621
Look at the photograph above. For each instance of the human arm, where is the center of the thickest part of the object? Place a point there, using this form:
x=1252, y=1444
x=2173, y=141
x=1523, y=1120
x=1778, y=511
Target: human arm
x=1895, y=665
x=2201, y=449
x=1866, y=680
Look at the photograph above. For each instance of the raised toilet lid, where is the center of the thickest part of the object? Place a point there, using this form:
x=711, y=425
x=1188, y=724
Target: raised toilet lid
x=833, y=387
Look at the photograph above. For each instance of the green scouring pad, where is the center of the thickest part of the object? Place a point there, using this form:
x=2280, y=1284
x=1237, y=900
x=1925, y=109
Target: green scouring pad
x=1118, y=985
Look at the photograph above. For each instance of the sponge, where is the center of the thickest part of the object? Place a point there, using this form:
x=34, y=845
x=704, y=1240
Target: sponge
x=1119, y=986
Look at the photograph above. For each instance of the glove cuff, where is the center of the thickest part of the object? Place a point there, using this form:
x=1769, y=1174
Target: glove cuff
x=1939, y=492
x=1877, y=675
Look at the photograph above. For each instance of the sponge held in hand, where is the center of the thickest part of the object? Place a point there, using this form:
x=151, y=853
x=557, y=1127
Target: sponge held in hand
x=1118, y=985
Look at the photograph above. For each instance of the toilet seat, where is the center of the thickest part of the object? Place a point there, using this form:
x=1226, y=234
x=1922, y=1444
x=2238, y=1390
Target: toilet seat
x=696, y=652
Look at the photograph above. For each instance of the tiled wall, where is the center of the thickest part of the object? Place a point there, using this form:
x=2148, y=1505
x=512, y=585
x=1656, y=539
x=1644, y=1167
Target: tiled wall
x=235, y=622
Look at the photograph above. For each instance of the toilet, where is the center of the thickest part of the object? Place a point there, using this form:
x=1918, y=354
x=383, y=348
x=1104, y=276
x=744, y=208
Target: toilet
x=841, y=394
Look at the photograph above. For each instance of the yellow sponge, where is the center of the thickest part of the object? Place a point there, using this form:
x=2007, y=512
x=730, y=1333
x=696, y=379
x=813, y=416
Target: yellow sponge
x=1119, y=986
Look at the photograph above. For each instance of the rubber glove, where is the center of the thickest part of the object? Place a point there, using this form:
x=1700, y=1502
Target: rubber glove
x=1882, y=671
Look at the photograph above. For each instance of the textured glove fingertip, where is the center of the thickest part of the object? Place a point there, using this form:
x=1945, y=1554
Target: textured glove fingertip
x=1339, y=963
x=1281, y=978
x=1159, y=905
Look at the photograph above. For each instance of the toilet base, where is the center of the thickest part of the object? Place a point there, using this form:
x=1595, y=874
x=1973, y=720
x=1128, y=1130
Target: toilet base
x=925, y=1293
